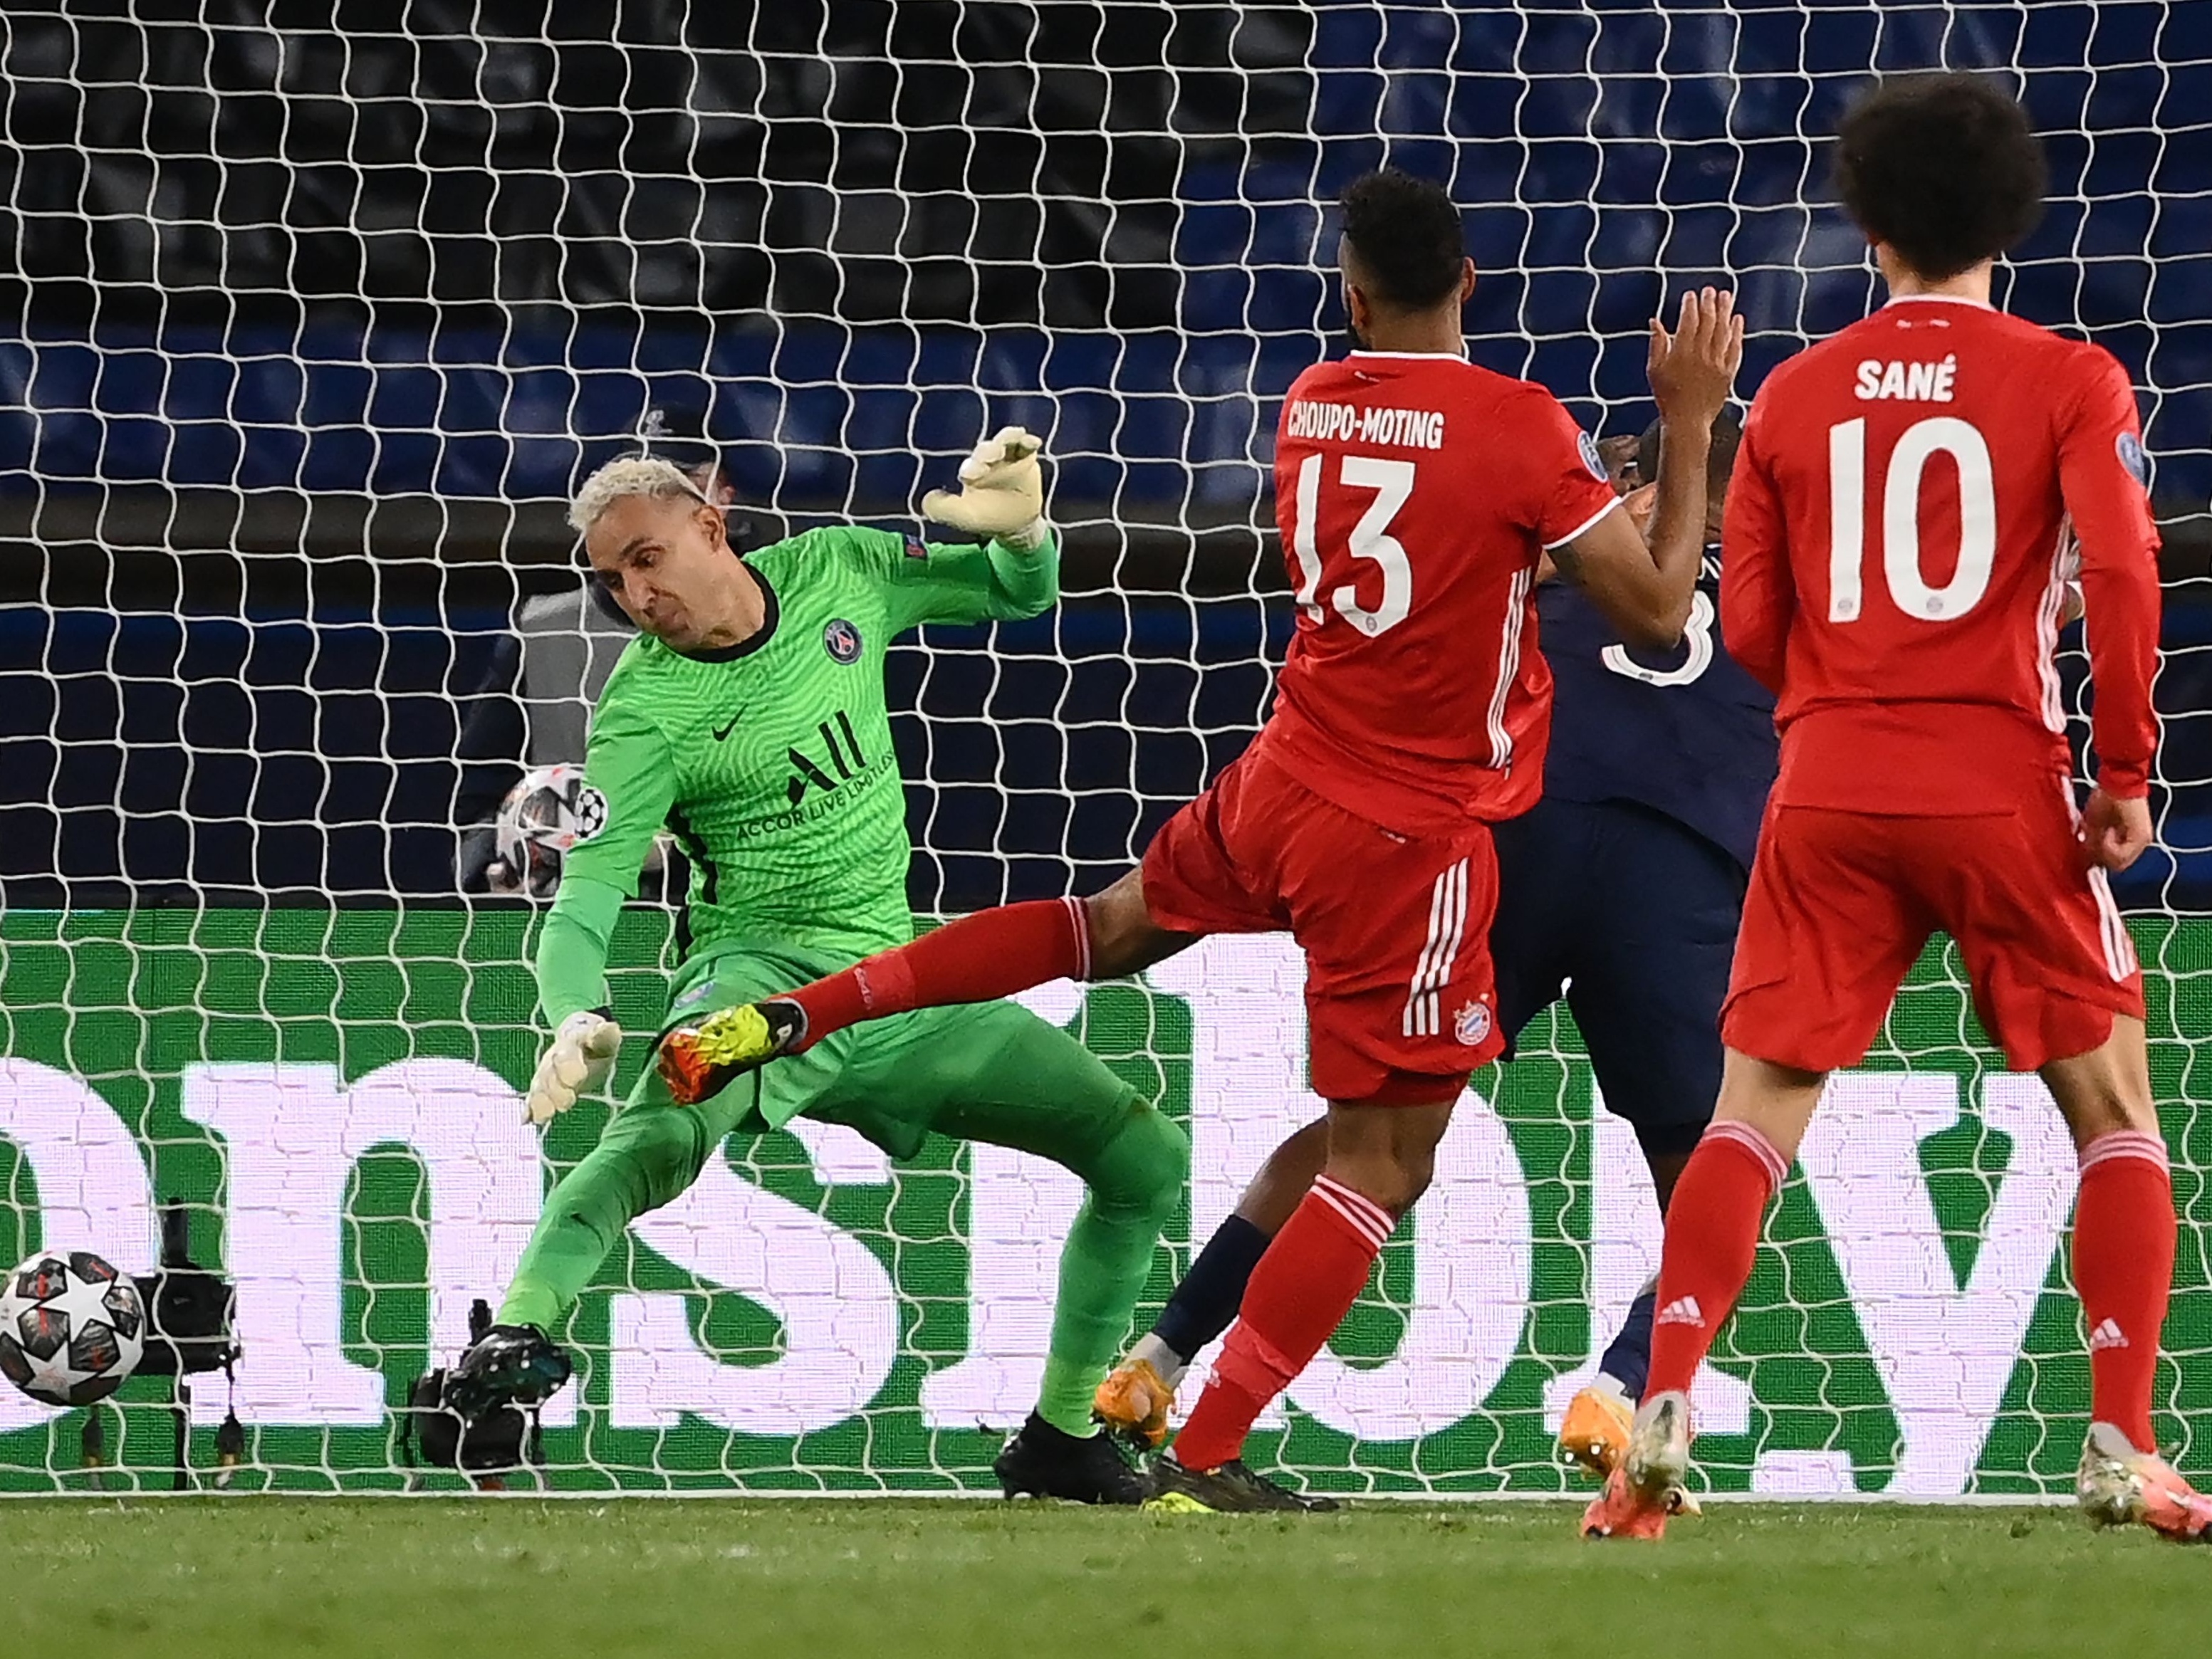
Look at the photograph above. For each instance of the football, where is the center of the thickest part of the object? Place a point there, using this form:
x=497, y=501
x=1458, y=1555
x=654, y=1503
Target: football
x=547, y=812
x=72, y=1328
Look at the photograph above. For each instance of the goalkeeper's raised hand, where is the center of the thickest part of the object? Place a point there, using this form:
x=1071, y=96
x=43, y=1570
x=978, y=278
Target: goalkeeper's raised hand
x=582, y=1054
x=1001, y=491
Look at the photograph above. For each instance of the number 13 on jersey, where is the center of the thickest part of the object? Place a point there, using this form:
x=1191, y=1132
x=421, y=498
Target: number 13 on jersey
x=1392, y=483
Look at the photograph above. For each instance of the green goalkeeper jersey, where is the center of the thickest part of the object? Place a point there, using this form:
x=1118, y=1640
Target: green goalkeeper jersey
x=771, y=762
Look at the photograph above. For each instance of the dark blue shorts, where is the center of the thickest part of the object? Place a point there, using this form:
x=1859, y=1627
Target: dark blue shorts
x=1636, y=917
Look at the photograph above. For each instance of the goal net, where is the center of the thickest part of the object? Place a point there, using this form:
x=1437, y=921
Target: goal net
x=312, y=330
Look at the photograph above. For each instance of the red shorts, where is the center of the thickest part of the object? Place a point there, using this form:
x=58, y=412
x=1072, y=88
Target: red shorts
x=1841, y=904
x=1400, y=998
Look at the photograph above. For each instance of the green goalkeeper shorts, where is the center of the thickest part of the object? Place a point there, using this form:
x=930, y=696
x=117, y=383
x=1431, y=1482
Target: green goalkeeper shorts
x=985, y=1071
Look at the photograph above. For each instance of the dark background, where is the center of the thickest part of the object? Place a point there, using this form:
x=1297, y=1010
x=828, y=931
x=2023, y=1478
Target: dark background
x=306, y=333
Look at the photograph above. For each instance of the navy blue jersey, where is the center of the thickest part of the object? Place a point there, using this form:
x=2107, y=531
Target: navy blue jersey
x=1690, y=734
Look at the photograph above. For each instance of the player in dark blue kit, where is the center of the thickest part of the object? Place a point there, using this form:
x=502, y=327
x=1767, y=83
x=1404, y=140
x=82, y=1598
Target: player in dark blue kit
x=1620, y=890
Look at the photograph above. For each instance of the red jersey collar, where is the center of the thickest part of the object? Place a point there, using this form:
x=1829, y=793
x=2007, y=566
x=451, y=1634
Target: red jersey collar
x=1414, y=356
x=1936, y=299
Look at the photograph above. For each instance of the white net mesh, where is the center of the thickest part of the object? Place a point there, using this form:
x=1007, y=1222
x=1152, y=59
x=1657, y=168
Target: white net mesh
x=309, y=333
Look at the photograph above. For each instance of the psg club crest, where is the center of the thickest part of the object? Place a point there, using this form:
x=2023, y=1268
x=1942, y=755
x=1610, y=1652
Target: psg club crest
x=842, y=641
x=1472, y=1024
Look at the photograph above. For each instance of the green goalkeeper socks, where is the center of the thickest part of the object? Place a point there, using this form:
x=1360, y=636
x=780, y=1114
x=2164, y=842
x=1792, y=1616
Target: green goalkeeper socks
x=541, y=1298
x=1069, y=1386
x=1101, y=1269
x=1135, y=1179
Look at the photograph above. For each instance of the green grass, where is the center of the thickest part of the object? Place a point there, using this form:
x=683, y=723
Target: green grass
x=520, y=1577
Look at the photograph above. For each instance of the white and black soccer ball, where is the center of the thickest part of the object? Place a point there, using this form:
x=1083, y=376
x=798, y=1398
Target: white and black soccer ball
x=72, y=1329
x=548, y=813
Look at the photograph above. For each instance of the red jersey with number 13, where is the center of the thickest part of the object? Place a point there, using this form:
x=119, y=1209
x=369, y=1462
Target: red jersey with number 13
x=1415, y=493
x=1910, y=500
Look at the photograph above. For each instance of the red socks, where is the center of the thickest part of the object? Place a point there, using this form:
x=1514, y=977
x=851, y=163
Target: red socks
x=1712, y=1236
x=991, y=954
x=2124, y=1245
x=2123, y=1230
x=1301, y=1291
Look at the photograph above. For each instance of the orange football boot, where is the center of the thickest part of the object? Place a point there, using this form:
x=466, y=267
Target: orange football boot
x=697, y=1061
x=1594, y=1431
x=1642, y=1491
x=1133, y=1403
x=2121, y=1487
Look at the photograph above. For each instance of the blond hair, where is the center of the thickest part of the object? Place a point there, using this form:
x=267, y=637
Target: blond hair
x=627, y=476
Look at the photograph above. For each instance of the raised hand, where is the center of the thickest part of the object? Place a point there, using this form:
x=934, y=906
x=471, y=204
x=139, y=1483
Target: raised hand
x=1001, y=487
x=1693, y=369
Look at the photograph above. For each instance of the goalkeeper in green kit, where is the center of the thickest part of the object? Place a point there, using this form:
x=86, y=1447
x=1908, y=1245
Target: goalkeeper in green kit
x=749, y=719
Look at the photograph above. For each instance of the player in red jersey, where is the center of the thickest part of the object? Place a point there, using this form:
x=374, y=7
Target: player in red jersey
x=1911, y=500
x=1417, y=494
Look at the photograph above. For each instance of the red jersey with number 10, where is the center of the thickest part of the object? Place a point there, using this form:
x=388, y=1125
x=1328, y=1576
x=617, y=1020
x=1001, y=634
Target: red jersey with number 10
x=1912, y=498
x=1415, y=493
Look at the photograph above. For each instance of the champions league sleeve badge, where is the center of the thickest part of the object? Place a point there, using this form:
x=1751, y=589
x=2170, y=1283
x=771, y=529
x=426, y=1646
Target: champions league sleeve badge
x=591, y=812
x=2133, y=458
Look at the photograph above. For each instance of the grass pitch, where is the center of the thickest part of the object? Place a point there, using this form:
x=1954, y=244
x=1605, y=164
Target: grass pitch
x=972, y=1580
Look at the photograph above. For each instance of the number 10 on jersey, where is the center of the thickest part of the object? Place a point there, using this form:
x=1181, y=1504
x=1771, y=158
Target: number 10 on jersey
x=1943, y=434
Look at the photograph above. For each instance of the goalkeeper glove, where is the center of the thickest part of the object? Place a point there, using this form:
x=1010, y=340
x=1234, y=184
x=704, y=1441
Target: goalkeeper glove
x=582, y=1054
x=1001, y=491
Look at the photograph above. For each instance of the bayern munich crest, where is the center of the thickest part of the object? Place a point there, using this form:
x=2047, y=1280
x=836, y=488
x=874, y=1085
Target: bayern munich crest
x=1472, y=1024
x=842, y=641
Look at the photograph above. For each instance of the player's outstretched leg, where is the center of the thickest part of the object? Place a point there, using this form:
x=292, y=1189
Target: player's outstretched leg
x=978, y=958
x=650, y=1152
